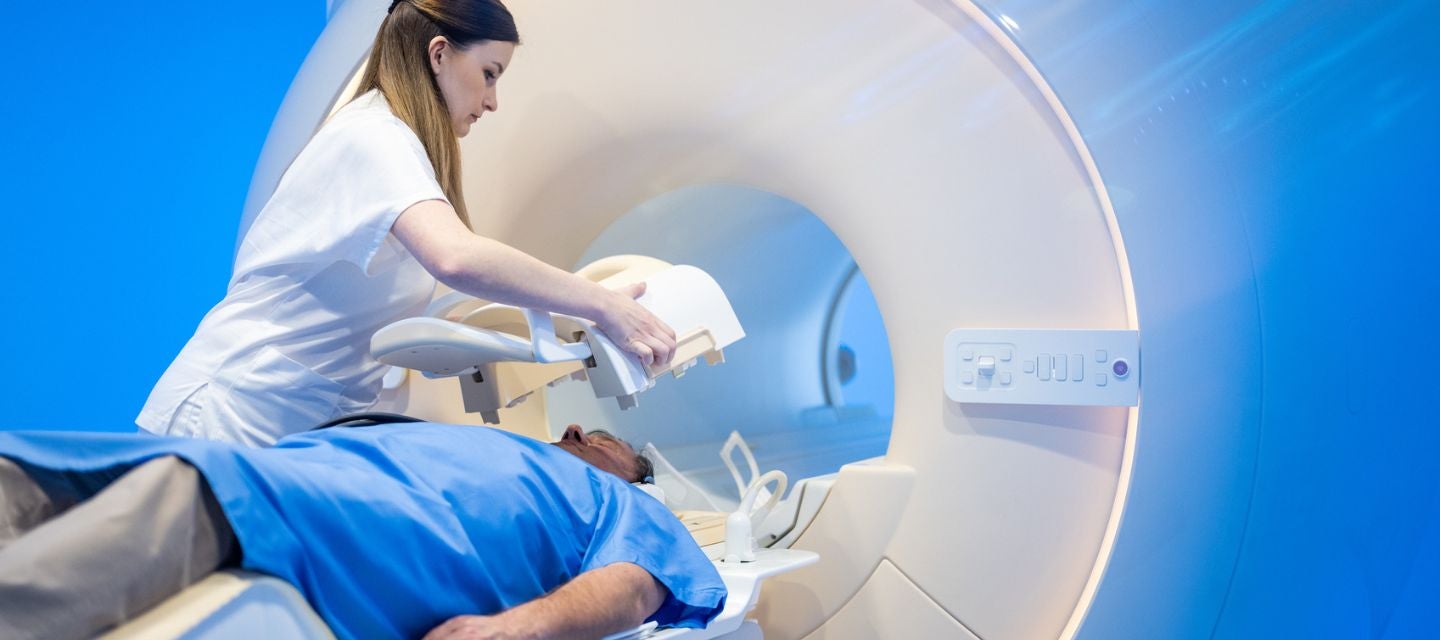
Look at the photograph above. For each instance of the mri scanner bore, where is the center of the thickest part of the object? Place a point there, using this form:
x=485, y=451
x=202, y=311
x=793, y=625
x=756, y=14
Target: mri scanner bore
x=802, y=406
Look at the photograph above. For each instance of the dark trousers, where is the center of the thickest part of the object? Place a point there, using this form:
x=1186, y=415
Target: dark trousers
x=80, y=553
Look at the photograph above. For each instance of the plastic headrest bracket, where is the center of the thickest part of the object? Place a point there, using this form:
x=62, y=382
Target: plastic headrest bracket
x=740, y=525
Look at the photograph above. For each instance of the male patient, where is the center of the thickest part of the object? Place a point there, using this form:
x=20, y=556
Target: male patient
x=388, y=531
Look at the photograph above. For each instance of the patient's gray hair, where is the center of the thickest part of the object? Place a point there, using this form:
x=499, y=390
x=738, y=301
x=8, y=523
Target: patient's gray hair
x=644, y=467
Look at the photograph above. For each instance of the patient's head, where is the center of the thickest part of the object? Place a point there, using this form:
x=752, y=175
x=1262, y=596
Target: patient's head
x=606, y=452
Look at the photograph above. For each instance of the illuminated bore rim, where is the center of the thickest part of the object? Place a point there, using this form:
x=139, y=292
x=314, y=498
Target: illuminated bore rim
x=992, y=27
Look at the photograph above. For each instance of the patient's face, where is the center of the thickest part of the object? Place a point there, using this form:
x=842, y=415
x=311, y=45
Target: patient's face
x=605, y=453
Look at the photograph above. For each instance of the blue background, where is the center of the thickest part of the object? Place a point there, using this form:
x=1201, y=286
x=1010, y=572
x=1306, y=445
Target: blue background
x=130, y=137
x=1314, y=122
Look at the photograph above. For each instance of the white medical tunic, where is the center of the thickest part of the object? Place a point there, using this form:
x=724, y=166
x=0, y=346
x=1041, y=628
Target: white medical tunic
x=316, y=275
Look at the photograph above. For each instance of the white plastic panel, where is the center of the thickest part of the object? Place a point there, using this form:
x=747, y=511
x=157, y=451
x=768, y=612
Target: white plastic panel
x=1098, y=368
x=743, y=582
x=891, y=606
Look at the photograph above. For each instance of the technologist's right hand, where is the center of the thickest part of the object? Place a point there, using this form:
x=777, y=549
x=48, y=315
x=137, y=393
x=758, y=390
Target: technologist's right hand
x=635, y=329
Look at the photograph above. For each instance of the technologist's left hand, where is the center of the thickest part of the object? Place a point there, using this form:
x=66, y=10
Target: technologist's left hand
x=473, y=628
x=635, y=329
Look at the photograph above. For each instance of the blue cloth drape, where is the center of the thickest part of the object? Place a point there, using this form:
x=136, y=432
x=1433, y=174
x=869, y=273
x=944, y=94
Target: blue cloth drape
x=390, y=530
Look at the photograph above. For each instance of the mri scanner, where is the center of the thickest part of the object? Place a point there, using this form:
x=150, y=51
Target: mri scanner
x=925, y=137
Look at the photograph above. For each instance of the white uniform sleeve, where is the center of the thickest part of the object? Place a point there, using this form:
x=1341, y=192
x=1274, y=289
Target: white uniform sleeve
x=383, y=170
x=340, y=197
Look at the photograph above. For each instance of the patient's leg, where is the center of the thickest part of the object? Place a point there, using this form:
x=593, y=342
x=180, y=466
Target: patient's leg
x=23, y=504
x=149, y=534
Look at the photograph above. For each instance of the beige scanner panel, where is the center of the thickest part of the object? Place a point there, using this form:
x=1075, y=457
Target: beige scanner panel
x=851, y=532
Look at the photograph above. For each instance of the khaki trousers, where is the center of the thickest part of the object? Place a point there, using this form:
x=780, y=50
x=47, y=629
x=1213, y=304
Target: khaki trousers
x=80, y=553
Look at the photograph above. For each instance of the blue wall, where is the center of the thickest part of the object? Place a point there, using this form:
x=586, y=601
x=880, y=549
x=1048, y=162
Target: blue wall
x=1316, y=123
x=130, y=133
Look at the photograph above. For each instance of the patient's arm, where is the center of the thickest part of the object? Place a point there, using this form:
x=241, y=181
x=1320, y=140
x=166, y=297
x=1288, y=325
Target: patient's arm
x=595, y=604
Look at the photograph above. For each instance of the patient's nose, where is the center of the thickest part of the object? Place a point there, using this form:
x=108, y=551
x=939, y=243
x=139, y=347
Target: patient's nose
x=574, y=432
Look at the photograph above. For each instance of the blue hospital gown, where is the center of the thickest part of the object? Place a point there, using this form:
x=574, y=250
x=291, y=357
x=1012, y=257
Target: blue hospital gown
x=390, y=530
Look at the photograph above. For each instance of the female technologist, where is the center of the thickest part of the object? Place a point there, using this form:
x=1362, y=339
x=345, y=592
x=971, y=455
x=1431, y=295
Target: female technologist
x=362, y=224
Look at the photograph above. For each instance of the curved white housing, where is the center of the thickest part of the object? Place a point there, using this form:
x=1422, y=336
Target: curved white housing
x=920, y=133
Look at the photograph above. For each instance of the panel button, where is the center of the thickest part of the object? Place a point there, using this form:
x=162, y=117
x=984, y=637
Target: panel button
x=1029, y=366
x=967, y=377
x=1101, y=356
x=1060, y=372
x=967, y=354
x=1043, y=366
x=986, y=365
x=1005, y=377
x=1077, y=367
x=1120, y=368
x=1100, y=380
x=1005, y=355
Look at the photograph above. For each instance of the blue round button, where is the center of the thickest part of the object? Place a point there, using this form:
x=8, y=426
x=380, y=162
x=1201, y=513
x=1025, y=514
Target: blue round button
x=1121, y=368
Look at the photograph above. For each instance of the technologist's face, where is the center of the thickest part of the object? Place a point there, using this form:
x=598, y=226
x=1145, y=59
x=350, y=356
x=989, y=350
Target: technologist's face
x=467, y=78
x=606, y=454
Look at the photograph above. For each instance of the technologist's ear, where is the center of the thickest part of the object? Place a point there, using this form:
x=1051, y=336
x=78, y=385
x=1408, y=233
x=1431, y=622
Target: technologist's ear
x=438, y=48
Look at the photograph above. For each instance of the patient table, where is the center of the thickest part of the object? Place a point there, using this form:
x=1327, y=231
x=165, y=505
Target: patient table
x=243, y=606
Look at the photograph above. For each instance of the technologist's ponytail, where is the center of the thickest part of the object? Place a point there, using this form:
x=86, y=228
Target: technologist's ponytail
x=399, y=67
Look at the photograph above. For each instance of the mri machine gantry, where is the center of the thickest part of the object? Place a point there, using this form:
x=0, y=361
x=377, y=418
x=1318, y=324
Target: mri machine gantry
x=923, y=136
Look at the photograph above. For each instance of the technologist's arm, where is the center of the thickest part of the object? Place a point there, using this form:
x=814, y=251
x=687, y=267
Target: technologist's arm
x=595, y=604
x=494, y=271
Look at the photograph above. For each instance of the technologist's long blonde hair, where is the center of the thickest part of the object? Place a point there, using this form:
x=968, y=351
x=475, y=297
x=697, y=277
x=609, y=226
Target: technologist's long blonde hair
x=400, y=68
